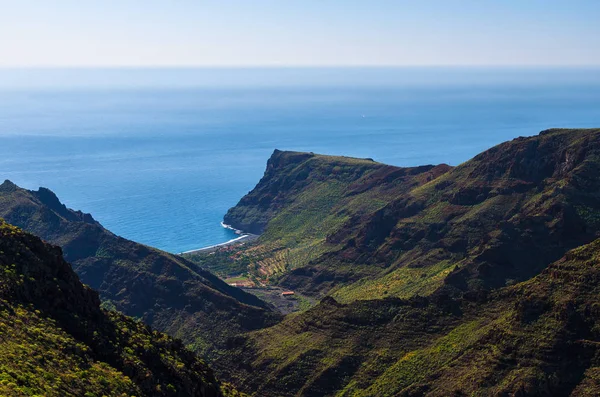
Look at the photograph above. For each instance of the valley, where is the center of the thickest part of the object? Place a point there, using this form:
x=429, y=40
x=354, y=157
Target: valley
x=300, y=199
x=426, y=276
x=364, y=279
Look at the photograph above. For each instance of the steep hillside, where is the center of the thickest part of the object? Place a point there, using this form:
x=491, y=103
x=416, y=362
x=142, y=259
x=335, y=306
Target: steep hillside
x=382, y=231
x=497, y=219
x=304, y=197
x=469, y=287
x=480, y=279
x=165, y=291
x=539, y=337
x=56, y=341
x=291, y=179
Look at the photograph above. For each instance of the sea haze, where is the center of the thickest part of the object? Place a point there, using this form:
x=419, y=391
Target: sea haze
x=158, y=156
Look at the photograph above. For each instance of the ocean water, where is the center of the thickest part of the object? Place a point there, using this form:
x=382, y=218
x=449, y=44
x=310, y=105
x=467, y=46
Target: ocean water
x=159, y=156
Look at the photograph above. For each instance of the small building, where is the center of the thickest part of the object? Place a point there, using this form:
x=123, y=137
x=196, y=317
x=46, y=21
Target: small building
x=287, y=293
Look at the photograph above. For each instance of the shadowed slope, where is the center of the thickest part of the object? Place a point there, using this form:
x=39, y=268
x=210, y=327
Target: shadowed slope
x=303, y=198
x=56, y=341
x=499, y=218
x=502, y=312
x=378, y=231
x=164, y=290
x=539, y=337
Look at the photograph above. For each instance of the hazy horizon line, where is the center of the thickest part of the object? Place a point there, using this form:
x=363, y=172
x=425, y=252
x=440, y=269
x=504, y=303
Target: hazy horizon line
x=213, y=76
x=427, y=66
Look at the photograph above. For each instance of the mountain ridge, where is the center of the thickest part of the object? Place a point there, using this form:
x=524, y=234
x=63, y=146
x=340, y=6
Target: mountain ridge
x=164, y=290
x=539, y=337
x=384, y=223
x=479, y=278
x=435, y=280
x=57, y=341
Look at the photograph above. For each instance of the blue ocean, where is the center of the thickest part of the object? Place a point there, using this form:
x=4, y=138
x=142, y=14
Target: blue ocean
x=158, y=156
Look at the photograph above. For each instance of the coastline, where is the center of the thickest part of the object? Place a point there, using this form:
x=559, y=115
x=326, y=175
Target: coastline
x=243, y=238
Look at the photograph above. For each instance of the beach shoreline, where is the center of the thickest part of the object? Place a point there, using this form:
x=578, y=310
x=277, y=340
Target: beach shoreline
x=243, y=238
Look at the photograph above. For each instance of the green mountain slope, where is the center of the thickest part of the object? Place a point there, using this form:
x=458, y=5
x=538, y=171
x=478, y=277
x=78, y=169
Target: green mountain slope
x=303, y=198
x=56, y=341
x=480, y=279
x=538, y=337
x=497, y=219
x=163, y=290
x=477, y=280
x=378, y=231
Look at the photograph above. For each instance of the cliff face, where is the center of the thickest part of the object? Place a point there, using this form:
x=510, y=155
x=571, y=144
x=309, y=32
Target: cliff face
x=282, y=178
x=288, y=176
x=304, y=199
x=164, y=290
x=56, y=341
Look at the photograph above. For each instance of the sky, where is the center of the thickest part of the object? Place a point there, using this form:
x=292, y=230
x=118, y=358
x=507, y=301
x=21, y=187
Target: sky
x=287, y=33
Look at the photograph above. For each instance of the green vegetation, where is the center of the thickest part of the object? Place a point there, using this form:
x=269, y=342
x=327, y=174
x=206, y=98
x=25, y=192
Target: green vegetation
x=370, y=231
x=539, y=336
x=477, y=280
x=403, y=283
x=301, y=202
x=163, y=290
x=450, y=283
x=56, y=341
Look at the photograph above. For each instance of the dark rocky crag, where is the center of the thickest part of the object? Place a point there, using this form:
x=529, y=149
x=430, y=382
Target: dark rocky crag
x=56, y=341
x=289, y=173
x=256, y=209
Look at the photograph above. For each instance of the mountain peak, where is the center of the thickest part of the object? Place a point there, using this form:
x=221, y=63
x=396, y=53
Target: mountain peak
x=282, y=158
x=8, y=186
